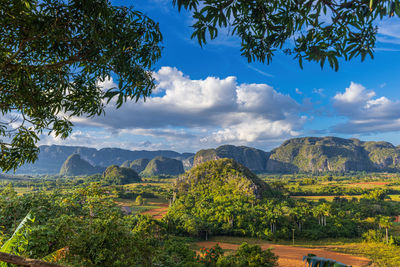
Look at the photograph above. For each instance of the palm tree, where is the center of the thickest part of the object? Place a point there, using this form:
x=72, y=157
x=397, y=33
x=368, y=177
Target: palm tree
x=385, y=222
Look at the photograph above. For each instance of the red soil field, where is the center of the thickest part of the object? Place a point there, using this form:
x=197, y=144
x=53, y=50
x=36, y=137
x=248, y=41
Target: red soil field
x=373, y=183
x=290, y=256
x=157, y=213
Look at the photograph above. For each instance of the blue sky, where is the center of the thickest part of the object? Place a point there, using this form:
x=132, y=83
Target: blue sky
x=211, y=96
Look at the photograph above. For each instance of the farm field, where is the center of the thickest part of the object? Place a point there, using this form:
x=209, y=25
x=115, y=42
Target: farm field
x=152, y=198
x=291, y=256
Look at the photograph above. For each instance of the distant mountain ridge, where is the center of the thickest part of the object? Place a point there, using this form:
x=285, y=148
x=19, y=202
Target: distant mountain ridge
x=254, y=159
x=311, y=154
x=163, y=166
x=321, y=154
x=305, y=154
x=51, y=158
x=74, y=165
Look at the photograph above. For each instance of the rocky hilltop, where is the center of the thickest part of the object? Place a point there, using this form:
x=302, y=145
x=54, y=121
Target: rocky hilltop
x=115, y=175
x=221, y=177
x=163, y=166
x=74, y=165
x=306, y=154
x=52, y=157
x=137, y=165
x=311, y=154
x=254, y=159
x=320, y=154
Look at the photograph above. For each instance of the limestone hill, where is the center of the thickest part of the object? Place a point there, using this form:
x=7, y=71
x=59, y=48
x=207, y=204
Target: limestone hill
x=254, y=159
x=319, y=154
x=221, y=177
x=137, y=165
x=74, y=165
x=115, y=175
x=163, y=166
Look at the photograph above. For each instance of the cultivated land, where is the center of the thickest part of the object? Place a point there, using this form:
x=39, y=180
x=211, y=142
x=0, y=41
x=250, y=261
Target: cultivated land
x=157, y=193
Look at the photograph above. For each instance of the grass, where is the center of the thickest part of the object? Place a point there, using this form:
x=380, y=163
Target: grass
x=381, y=254
x=151, y=203
x=327, y=198
x=298, y=242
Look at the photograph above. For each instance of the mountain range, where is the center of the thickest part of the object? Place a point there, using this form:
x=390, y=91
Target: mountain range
x=306, y=154
x=51, y=158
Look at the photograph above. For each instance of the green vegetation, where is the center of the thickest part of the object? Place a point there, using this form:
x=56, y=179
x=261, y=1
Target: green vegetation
x=215, y=198
x=246, y=255
x=348, y=32
x=137, y=165
x=381, y=254
x=254, y=159
x=74, y=166
x=163, y=166
x=115, y=175
x=68, y=45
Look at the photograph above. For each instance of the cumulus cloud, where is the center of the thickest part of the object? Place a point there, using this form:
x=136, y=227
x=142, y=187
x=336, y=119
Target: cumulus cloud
x=366, y=113
x=213, y=110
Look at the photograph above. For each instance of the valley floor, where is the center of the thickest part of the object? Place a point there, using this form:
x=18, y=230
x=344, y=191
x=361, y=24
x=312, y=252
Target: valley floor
x=291, y=256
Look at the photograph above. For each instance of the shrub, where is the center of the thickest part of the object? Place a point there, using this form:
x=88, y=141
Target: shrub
x=250, y=256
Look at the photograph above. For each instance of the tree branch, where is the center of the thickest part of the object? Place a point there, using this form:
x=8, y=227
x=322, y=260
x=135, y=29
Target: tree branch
x=56, y=65
x=21, y=261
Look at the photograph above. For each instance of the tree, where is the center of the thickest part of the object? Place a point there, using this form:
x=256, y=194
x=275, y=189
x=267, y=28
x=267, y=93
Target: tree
x=53, y=54
x=250, y=255
x=139, y=200
x=385, y=222
x=320, y=30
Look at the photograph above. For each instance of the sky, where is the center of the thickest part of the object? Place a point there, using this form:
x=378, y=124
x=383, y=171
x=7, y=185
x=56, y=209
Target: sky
x=210, y=96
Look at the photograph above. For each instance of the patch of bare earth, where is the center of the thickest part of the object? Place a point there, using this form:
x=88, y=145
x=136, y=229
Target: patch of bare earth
x=159, y=212
x=290, y=256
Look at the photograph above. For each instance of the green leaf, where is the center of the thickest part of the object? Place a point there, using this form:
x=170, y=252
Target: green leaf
x=8, y=246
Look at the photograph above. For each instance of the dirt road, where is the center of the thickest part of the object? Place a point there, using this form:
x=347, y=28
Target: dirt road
x=290, y=256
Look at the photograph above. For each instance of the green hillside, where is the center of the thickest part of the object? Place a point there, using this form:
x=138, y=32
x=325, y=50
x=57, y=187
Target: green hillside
x=115, y=175
x=218, y=194
x=254, y=159
x=163, y=166
x=320, y=154
x=139, y=165
x=74, y=165
x=222, y=176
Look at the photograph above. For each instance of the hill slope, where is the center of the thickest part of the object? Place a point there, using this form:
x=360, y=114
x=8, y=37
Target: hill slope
x=221, y=176
x=74, y=165
x=116, y=175
x=52, y=157
x=252, y=158
x=319, y=154
x=163, y=166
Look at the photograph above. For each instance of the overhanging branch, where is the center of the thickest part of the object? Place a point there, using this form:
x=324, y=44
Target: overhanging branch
x=21, y=261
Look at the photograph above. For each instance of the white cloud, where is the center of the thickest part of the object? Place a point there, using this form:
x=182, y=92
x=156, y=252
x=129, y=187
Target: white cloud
x=213, y=110
x=355, y=93
x=266, y=74
x=388, y=32
x=365, y=112
x=107, y=84
x=319, y=91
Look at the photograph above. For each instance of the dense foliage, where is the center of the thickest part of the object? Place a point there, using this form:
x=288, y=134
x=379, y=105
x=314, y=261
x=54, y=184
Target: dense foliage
x=90, y=228
x=74, y=165
x=321, y=31
x=163, y=166
x=115, y=175
x=138, y=165
x=213, y=199
x=53, y=55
